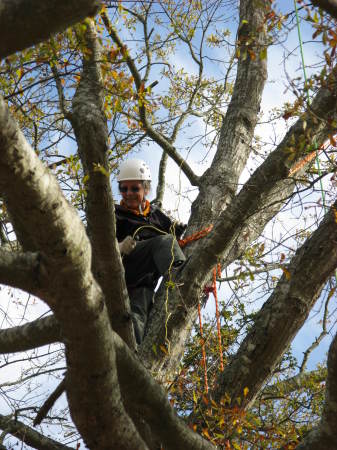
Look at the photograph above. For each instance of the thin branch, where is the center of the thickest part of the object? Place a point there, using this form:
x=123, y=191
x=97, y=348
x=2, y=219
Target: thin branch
x=161, y=179
x=28, y=435
x=59, y=87
x=290, y=304
x=324, y=436
x=320, y=337
x=49, y=403
x=267, y=268
x=159, y=138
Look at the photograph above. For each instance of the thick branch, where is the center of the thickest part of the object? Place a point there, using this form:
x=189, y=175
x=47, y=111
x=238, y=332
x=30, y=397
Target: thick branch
x=28, y=435
x=269, y=187
x=330, y=6
x=234, y=229
x=23, y=23
x=295, y=383
x=140, y=393
x=20, y=270
x=51, y=225
x=290, y=304
x=324, y=436
x=90, y=127
x=40, y=332
x=219, y=182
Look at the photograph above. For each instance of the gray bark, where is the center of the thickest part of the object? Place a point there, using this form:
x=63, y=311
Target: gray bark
x=45, y=220
x=324, y=436
x=330, y=6
x=24, y=23
x=235, y=228
x=295, y=383
x=90, y=127
x=282, y=315
x=28, y=435
x=140, y=391
x=34, y=334
x=20, y=270
x=161, y=178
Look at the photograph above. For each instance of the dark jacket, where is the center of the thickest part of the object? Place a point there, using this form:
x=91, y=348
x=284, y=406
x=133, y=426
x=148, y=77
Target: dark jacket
x=128, y=223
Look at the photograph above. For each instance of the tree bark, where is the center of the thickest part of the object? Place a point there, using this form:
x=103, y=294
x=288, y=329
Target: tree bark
x=28, y=435
x=330, y=6
x=24, y=23
x=90, y=127
x=234, y=229
x=282, y=316
x=50, y=224
x=324, y=435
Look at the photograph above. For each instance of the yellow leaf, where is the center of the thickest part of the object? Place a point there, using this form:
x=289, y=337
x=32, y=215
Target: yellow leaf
x=114, y=74
x=163, y=349
x=263, y=53
x=245, y=391
x=205, y=433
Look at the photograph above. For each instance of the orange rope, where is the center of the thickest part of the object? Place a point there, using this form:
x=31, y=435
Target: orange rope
x=202, y=343
x=296, y=167
x=215, y=293
x=302, y=163
x=182, y=242
x=194, y=237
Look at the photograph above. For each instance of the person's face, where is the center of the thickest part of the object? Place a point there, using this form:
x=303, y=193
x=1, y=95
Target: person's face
x=133, y=193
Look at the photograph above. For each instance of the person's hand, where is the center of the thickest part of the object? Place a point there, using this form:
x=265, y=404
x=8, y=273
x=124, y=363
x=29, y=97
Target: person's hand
x=127, y=245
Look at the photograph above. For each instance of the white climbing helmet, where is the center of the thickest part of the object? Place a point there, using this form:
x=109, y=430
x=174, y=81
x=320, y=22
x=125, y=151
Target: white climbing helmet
x=134, y=169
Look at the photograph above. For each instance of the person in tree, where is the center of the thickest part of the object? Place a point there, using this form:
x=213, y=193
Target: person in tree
x=147, y=240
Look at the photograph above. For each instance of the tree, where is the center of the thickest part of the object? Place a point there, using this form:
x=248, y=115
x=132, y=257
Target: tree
x=58, y=232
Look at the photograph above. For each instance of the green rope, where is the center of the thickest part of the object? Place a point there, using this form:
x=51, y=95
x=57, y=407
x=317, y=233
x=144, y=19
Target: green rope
x=309, y=101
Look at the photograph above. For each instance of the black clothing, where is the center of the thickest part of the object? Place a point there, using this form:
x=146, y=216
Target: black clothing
x=150, y=260
x=128, y=223
x=153, y=255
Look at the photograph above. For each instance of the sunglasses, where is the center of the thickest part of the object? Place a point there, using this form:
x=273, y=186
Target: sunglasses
x=125, y=189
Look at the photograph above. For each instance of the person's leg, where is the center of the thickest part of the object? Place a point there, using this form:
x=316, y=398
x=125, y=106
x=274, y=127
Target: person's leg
x=152, y=256
x=141, y=299
x=167, y=253
x=143, y=267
